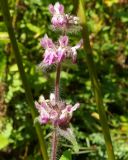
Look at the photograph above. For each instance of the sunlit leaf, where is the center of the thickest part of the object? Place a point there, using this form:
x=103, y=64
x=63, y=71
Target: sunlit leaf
x=66, y=156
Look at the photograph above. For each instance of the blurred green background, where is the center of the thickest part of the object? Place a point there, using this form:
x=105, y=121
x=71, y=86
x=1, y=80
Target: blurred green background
x=108, y=26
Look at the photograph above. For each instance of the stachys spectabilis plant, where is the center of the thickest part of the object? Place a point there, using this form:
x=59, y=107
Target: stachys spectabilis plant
x=55, y=110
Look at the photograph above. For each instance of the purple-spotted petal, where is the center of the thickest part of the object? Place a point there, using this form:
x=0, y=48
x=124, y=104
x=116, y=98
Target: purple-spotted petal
x=71, y=108
x=43, y=120
x=59, y=20
x=51, y=59
x=50, y=56
x=63, y=40
x=44, y=105
x=53, y=115
x=44, y=113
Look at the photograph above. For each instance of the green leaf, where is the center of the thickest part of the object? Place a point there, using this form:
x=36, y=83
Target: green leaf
x=33, y=28
x=4, y=141
x=69, y=135
x=66, y=156
x=4, y=36
x=5, y=134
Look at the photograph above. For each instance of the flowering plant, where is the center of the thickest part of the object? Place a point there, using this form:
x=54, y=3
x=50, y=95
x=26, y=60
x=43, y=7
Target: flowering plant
x=55, y=111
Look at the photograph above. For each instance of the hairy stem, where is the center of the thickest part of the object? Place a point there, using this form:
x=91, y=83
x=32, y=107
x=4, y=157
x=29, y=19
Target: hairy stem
x=57, y=82
x=54, y=144
x=57, y=98
x=95, y=82
x=28, y=93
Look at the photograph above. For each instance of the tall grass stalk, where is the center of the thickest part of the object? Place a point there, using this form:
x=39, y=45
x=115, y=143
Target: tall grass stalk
x=95, y=81
x=7, y=19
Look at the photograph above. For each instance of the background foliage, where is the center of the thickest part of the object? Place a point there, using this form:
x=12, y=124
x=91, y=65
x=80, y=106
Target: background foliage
x=108, y=27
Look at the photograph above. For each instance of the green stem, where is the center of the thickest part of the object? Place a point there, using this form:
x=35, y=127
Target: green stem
x=6, y=15
x=95, y=82
x=14, y=19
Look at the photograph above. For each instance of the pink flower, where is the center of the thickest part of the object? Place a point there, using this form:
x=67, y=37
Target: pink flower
x=44, y=115
x=65, y=51
x=50, y=56
x=66, y=114
x=63, y=41
x=74, y=50
x=46, y=42
x=61, y=52
x=61, y=20
x=58, y=52
x=57, y=113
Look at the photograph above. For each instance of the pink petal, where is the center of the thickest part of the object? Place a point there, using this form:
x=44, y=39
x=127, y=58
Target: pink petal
x=51, y=9
x=54, y=21
x=79, y=44
x=77, y=105
x=64, y=118
x=51, y=59
x=74, y=56
x=46, y=42
x=37, y=105
x=63, y=115
x=71, y=108
x=44, y=105
x=61, y=54
x=74, y=50
x=46, y=56
x=59, y=8
x=44, y=113
x=53, y=115
x=43, y=120
x=52, y=97
x=50, y=56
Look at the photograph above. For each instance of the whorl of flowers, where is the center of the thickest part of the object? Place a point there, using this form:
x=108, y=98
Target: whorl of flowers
x=58, y=52
x=56, y=113
x=60, y=20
